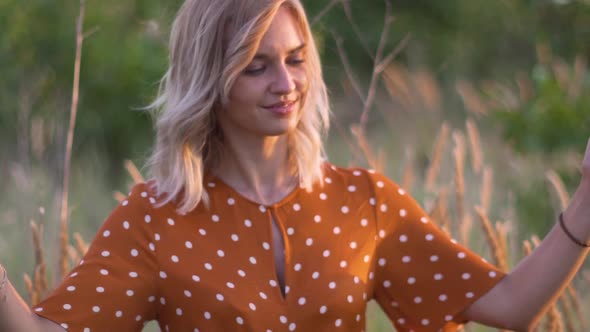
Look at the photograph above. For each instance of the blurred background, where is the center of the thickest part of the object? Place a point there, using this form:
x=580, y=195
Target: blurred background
x=498, y=91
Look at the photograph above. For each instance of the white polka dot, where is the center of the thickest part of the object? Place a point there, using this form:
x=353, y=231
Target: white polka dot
x=147, y=218
x=401, y=321
x=211, y=184
x=411, y=280
x=336, y=230
x=133, y=274
x=296, y=207
x=442, y=297
x=387, y=284
x=338, y=322
x=272, y=283
x=265, y=245
x=292, y=327
x=326, y=253
x=106, y=233
x=403, y=213
x=425, y=321
x=492, y=274
x=202, y=231
x=105, y=253
x=332, y=285
x=219, y=297
x=317, y=218
x=231, y=201
x=252, y=306
x=64, y=325
x=461, y=255
x=382, y=261
x=215, y=218
x=351, y=188
x=144, y=194
x=126, y=224
x=262, y=208
x=297, y=267
x=163, y=275
x=125, y=203
x=406, y=259
x=174, y=258
x=323, y=309
x=328, y=180
x=253, y=260
x=263, y=295
x=207, y=315
x=152, y=298
x=248, y=223
x=235, y=237
x=403, y=238
x=196, y=278
x=170, y=222
x=380, y=184
x=230, y=285
x=104, y=272
x=71, y=288
x=119, y=313
x=401, y=191
x=448, y=318
x=382, y=234
x=241, y=273
x=344, y=209
x=208, y=266
x=383, y=207
x=134, y=252
x=309, y=242
x=100, y=289
x=67, y=306
x=301, y=301
x=220, y=253
x=424, y=220
x=152, y=247
x=96, y=309
x=466, y=276
x=469, y=295
x=157, y=237
x=356, y=279
x=364, y=222
x=315, y=275
x=178, y=312
x=188, y=244
x=350, y=298
x=187, y=293
x=417, y=299
x=429, y=237
x=323, y=196
x=283, y=319
x=290, y=231
x=343, y=264
x=367, y=258
x=434, y=258
x=438, y=276
x=129, y=292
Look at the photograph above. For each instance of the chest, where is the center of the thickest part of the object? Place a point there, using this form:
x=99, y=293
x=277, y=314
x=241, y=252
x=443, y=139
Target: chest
x=293, y=264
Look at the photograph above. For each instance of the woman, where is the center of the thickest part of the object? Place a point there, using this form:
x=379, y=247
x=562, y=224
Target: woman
x=245, y=226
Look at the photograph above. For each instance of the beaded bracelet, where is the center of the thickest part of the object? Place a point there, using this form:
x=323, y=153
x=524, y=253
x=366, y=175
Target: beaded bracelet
x=570, y=235
x=3, y=282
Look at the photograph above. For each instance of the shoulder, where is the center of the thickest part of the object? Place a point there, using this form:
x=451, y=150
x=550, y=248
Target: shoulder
x=362, y=178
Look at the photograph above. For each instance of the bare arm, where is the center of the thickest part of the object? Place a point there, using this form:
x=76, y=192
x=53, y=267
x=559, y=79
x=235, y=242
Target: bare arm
x=15, y=314
x=519, y=300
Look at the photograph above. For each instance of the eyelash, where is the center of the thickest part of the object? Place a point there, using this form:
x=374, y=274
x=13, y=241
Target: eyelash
x=258, y=71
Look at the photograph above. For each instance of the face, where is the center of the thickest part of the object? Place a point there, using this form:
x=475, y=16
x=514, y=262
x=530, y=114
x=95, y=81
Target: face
x=267, y=96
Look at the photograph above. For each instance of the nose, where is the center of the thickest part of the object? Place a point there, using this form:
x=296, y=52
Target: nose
x=283, y=81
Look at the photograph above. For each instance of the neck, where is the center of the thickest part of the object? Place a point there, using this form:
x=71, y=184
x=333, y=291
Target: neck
x=257, y=168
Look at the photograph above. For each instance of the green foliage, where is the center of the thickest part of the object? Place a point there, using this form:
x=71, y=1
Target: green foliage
x=552, y=120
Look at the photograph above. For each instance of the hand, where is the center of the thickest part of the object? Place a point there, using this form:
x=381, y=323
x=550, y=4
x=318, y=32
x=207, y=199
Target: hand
x=586, y=164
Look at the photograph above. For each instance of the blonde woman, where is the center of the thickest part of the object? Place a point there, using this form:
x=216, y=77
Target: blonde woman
x=246, y=227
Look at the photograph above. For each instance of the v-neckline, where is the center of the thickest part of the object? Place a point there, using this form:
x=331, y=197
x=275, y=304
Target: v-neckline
x=282, y=201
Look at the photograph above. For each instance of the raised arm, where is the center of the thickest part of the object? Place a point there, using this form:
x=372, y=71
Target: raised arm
x=15, y=314
x=520, y=299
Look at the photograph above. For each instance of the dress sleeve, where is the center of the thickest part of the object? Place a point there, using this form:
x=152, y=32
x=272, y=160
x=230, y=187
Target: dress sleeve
x=114, y=286
x=424, y=280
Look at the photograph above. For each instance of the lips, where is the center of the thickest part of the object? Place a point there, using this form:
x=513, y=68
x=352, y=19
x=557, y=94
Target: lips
x=282, y=108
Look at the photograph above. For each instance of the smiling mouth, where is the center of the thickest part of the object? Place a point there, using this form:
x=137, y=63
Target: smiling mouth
x=282, y=108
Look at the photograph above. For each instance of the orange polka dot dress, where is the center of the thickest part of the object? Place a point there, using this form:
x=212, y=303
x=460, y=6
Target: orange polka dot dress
x=357, y=238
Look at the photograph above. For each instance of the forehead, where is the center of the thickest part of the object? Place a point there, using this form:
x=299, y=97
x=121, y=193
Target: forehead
x=283, y=34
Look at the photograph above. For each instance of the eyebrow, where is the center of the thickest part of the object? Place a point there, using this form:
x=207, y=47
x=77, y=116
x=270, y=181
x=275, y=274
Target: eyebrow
x=260, y=56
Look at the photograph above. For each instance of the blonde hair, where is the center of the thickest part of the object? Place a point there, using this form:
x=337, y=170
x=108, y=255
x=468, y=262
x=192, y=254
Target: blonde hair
x=211, y=42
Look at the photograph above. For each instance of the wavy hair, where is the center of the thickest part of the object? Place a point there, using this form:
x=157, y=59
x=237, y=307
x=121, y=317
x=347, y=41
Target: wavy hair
x=211, y=43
